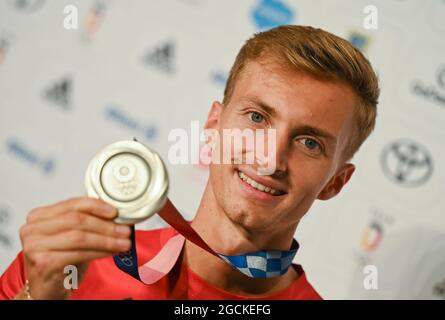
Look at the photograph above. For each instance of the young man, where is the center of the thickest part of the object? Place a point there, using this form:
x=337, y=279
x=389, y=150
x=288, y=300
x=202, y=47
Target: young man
x=319, y=94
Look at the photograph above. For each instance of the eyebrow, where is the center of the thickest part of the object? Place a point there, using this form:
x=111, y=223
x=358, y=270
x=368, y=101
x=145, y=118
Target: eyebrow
x=307, y=129
x=254, y=100
x=303, y=129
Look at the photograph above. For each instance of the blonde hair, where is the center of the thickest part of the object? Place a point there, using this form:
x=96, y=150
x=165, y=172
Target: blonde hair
x=324, y=56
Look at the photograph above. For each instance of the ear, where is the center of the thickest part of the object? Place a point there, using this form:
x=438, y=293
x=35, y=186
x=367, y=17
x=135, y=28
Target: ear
x=214, y=116
x=337, y=182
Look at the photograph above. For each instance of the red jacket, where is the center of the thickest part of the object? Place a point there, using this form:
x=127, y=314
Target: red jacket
x=103, y=280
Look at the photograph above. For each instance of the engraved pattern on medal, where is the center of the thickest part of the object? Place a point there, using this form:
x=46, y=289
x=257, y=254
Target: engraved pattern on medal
x=129, y=187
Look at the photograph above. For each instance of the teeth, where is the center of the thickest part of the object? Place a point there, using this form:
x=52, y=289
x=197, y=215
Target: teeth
x=256, y=185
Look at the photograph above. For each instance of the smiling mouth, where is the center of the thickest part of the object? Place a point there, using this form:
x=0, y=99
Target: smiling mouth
x=258, y=186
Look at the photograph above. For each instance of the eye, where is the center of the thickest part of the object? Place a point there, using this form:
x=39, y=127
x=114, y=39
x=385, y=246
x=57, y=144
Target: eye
x=256, y=117
x=311, y=144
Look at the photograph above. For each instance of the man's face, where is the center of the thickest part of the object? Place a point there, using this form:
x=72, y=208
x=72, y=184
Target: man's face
x=313, y=122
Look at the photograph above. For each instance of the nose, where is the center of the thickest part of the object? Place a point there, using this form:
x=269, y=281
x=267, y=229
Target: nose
x=273, y=160
x=281, y=155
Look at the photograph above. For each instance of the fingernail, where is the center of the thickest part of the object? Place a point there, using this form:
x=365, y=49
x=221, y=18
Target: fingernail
x=124, y=243
x=123, y=230
x=109, y=208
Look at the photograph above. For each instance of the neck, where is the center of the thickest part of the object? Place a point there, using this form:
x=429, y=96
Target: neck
x=227, y=237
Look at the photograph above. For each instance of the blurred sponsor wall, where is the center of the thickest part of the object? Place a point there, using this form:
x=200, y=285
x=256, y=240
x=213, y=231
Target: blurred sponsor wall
x=142, y=68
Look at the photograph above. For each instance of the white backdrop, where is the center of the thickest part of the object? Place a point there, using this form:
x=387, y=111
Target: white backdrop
x=142, y=68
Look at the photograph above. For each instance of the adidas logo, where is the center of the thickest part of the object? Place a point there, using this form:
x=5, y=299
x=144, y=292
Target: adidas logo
x=60, y=93
x=161, y=57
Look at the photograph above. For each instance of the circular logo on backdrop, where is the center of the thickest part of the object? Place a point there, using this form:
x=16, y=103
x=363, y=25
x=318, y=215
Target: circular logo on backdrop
x=272, y=13
x=407, y=163
x=26, y=5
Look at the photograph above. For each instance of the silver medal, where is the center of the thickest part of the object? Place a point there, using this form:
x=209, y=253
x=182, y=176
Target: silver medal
x=131, y=177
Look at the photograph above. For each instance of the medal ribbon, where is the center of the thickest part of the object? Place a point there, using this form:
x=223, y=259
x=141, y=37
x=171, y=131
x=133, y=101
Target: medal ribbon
x=259, y=264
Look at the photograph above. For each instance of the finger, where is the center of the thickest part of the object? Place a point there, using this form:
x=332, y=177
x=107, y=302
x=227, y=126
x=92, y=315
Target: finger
x=76, y=220
x=76, y=240
x=89, y=205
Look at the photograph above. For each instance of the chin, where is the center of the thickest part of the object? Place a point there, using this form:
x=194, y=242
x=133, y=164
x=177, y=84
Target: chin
x=250, y=219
